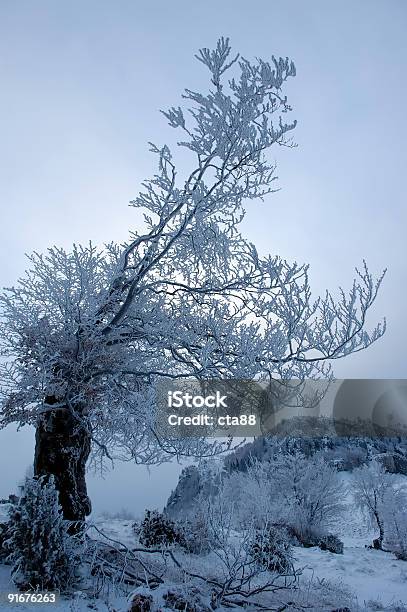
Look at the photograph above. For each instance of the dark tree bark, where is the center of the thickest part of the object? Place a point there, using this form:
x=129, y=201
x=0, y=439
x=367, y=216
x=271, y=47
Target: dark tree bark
x=378, y=542
x=62, y=448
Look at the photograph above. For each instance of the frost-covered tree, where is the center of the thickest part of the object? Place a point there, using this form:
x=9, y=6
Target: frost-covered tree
x=85, y=333
x=42, y=552
x=309, y=493
x=395, y=521
x=289, y=490
x=250, y=494
x=372, y=485
x=384, y=500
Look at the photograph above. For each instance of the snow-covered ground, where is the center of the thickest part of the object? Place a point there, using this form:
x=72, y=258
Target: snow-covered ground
x=373, y=575
x=376, y=578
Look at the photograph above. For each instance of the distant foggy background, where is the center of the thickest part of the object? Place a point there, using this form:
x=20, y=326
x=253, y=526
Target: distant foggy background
x=81, y=85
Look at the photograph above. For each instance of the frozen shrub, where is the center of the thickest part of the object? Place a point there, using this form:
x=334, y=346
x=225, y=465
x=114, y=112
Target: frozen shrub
x=272, y=549
x=310, y=494
x=332, y=543
x=5, y=507
x=141, y=603
x=198, y=539
x=307, y=537
x=42, y=553
x=3, y=538
x=157, y=529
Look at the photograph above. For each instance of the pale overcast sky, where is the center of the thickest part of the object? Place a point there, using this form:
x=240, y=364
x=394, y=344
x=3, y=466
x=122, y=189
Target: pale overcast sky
x=81, y=86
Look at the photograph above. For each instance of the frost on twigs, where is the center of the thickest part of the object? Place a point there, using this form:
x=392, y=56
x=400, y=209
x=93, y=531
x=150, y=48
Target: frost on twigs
x=89, y=331
x=384, y=503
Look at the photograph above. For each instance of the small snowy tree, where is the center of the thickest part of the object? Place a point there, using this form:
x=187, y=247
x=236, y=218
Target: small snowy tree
x=42, y=553
x=290, y=491
x=85, y=334
x=395, y=521
x=309, y=492
x=250, y=494
x=371, y=485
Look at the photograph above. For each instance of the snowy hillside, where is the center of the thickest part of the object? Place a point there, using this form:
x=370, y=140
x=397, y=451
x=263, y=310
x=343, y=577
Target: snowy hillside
x=345, y=453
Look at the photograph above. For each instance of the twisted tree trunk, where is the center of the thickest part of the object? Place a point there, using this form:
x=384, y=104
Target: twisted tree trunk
x=62, y=448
